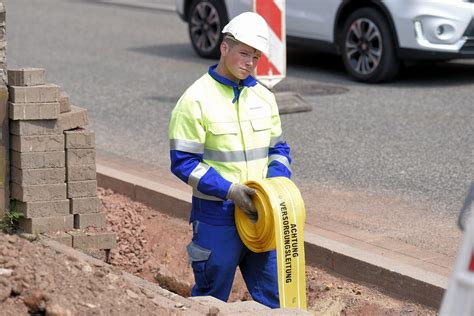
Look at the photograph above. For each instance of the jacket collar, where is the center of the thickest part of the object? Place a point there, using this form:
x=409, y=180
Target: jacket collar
x=247, y=82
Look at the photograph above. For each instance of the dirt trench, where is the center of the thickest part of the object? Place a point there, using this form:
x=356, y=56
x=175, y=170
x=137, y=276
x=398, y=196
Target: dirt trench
x=152, y=245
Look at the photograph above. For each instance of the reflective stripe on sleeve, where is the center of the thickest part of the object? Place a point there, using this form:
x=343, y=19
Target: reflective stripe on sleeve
x=186, y=146
x=276, y=140
x=236, y=156
x=203, y=196
x=197, y=174
x=281, y=159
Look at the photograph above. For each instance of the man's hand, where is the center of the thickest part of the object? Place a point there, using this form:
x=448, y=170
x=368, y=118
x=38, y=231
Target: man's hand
x=242, y=196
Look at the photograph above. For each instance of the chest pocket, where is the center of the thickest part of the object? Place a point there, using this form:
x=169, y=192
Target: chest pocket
x=223, y=136
x=220, y=128
x=261, y=124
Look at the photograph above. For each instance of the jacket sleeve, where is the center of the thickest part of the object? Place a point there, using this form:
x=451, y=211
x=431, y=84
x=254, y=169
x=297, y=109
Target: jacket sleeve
x=187, y=137
x=279, y=159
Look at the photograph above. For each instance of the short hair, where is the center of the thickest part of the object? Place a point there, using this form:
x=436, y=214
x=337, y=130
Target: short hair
x=230, y=40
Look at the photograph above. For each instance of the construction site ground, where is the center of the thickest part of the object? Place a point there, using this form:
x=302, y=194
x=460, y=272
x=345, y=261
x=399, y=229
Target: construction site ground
x=35, y=279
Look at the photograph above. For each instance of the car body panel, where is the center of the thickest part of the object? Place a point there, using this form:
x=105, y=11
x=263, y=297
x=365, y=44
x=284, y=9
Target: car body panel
x=431, y=14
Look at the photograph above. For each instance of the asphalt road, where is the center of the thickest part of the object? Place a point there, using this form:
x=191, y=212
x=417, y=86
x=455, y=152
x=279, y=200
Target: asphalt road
x=411, y=139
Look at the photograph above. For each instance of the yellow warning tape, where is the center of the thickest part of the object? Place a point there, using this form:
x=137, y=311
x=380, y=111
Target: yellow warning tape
x=281, y=218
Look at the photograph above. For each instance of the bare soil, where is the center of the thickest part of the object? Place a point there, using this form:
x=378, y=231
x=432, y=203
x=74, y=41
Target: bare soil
x=36, y=280
x=156, y=244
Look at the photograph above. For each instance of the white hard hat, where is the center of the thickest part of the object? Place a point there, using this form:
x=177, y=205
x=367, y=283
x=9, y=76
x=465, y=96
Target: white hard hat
x=251, y=29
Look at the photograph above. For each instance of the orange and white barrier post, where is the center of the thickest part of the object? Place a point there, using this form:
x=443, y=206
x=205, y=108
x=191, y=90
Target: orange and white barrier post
x=459, y=297
x=271, y=68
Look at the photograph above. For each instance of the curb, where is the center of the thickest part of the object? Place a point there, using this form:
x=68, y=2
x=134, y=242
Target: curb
x=393, y=277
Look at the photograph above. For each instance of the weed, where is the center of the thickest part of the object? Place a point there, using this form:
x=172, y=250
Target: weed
x=9, y=221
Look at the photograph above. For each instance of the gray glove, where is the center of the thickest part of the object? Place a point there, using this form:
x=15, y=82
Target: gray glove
x=242, y=196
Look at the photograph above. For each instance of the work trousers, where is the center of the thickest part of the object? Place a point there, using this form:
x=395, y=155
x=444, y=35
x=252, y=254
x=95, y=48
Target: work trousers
x=216, y=251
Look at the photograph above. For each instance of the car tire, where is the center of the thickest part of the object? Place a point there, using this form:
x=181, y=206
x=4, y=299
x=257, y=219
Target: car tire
x=206, y=19
x=368, y=47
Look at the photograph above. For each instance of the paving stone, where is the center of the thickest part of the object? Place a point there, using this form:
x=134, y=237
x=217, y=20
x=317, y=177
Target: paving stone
x=43, y=192
x=46, y=224
x=77, y=117
x=34, y=94
x=40, y=143
x=93, y=240
x=85, y=205
x=37, y=160
x=61, y=237
x=90, y=219
x=82, y=189
x=38, y=176
x=64, y=103
x=81, y=172
x=35, y=127
x=26, y=77
x=79, y=138
x=43, y=208
x=34, y=111
x=80, y=157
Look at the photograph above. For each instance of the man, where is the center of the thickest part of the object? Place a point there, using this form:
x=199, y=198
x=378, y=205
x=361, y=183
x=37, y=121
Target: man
x=226, y=130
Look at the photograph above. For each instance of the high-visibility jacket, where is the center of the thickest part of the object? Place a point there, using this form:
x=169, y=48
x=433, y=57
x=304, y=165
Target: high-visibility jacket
x=222, y=133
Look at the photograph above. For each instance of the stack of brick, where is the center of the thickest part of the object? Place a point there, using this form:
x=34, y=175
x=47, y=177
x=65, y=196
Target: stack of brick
x=37, y=159
x=53, y=174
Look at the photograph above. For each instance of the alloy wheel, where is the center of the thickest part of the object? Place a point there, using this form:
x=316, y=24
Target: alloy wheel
x=205, y=26
x=363, y=46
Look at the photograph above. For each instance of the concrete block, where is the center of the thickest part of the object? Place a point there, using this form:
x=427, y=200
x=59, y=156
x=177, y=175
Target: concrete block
x=82, y=189
x=43, y=208
x=37, y=160
x=93, y=240
x=46, y=224
x=85, y=205
x=41, y=143
x=80, y=172
x=64, y=104
x=80, y=157
x=43, y=192
x=35, y=127
x=34, y=94
x=77, y=117
x=38, y=176
x=61, y=237
x=79, y=138
x=91, y=219
x=34, y=111
x=26, y=77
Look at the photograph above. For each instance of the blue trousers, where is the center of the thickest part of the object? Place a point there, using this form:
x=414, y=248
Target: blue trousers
x=216, y=251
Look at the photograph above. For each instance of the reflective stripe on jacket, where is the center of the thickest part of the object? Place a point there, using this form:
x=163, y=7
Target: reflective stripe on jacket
x=221, y=133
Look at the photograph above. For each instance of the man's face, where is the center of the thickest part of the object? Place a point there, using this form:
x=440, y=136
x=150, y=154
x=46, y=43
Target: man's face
x=240, y=60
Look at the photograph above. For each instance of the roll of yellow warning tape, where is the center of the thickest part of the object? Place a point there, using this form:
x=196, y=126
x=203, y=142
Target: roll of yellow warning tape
x=281, y=218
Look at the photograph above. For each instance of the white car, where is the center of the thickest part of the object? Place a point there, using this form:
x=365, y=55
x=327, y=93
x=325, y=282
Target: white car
x=373, y=37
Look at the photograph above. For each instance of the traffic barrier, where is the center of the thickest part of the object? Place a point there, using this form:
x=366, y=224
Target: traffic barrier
x=271, y=69
x=281, y=218
x=459, y=297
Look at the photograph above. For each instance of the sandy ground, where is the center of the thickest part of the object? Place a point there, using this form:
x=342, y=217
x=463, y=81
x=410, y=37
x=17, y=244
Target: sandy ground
x=152, y=245
x=36, y=280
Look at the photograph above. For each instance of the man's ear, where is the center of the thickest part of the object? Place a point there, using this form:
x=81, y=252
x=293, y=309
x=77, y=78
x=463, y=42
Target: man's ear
x=224, y=48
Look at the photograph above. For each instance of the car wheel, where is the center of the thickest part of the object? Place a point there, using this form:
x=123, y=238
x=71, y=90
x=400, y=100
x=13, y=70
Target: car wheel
x=206, y=20
x=368, y=48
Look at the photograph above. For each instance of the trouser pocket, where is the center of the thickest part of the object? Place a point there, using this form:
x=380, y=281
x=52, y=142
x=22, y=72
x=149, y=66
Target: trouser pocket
x=198, y=256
